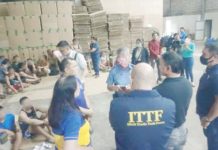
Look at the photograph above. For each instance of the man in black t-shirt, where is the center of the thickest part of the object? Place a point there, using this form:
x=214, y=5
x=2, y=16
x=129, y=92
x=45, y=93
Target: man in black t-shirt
x=207, y=95
x=179, y=90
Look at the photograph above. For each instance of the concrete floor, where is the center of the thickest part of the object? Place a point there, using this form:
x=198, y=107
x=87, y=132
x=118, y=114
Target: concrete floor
x=103, y=137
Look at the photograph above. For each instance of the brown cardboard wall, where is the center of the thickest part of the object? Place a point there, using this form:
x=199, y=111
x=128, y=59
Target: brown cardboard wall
x=32, y=24
x=49, y=7
x=16, y=9
x=32, y=8
x=3, y=9
x=64, y=7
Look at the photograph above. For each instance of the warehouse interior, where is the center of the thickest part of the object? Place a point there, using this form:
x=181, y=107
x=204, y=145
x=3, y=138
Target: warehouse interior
x=29, y=29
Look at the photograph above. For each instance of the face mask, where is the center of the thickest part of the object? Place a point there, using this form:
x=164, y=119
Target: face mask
x=122, y=62
x=205, y=61
x=139, y=45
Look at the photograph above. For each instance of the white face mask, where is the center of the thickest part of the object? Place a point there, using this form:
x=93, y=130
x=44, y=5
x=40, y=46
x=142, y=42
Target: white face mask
x=139, y=45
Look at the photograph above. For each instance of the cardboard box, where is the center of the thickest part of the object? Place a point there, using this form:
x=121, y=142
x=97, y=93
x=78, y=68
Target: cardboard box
x=80, y=10
x=32, y=23
x=16, y=9
x=32, y=8
x=50, y=38
x=65, y=22
x=16, y=40
x=34, y=39
x=49, y=22
x=4, y=9
x=4, y=52
x=12, y=53
x=49, y=7
x=4, y=43
x=24, y=53
x=14, y=23
x=65, y=7
x=66, y=35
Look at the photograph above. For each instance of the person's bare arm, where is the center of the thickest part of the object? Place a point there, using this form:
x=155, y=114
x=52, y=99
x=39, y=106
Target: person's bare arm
x=8, y=132
x=23, y=117
x=42, y=109
x=26, y=75
x=73, y=144
x=114, y=88
x=89, y=110
x=19, y=79
x=9, y=84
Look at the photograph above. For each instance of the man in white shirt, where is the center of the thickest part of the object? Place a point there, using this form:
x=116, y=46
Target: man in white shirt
x=65, y=51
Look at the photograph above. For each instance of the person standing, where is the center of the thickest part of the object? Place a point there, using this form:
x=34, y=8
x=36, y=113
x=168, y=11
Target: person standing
x=182, y=35
x=176, y=45
x=65, y=51
x=119, y=78
x=95, y=55
x=140, y=53
x=155, y=52
x=188, y=50
x=179, y=90
x=143, y=119
x=76, y=46
x=207, y=95
x=71, y=130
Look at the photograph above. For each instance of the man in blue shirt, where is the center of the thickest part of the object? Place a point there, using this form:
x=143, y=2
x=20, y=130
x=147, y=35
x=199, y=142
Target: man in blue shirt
x=143, y=119
x=119, y=78
x=95, y=55
x=207, y=95
x=183, y=35
x=8, y=127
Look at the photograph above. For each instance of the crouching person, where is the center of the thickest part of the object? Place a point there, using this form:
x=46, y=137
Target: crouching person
x=30, y=123
x=9, y=130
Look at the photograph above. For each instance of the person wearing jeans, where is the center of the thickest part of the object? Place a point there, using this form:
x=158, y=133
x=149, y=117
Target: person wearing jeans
x=155, y=52
x=188, y=59
x=95, y=55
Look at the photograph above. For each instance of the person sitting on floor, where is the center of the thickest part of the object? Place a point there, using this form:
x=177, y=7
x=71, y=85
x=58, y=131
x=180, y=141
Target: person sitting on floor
x=8, y=128
x=26, y=75
x=43, y=66
x=53, y=63
x=15, y=63
x=3, y=72
x=30, y=123
x=14, y=82
x=105, y=62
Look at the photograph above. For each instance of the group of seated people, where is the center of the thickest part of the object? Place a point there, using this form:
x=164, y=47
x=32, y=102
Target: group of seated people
x=17, y=74
x=34, y=120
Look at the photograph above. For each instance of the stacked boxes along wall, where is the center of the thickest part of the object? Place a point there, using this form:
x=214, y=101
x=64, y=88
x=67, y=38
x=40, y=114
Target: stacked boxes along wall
x=29, y=28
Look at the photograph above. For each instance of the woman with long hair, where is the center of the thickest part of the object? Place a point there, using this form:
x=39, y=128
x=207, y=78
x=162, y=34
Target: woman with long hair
x=72, y=131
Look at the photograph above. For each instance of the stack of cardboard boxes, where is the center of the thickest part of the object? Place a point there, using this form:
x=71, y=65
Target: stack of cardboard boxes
x=99, y=29
x=80, y=10
x=136, y=28
x=118, y=28
x=93, y=5
x=82, y=30
x=29, y=28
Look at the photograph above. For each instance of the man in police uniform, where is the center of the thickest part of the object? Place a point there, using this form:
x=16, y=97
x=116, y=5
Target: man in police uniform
x=143, y=119
x=207, y=95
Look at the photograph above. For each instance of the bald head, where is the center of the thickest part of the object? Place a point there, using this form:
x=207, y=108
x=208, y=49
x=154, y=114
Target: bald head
x=143, y=77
